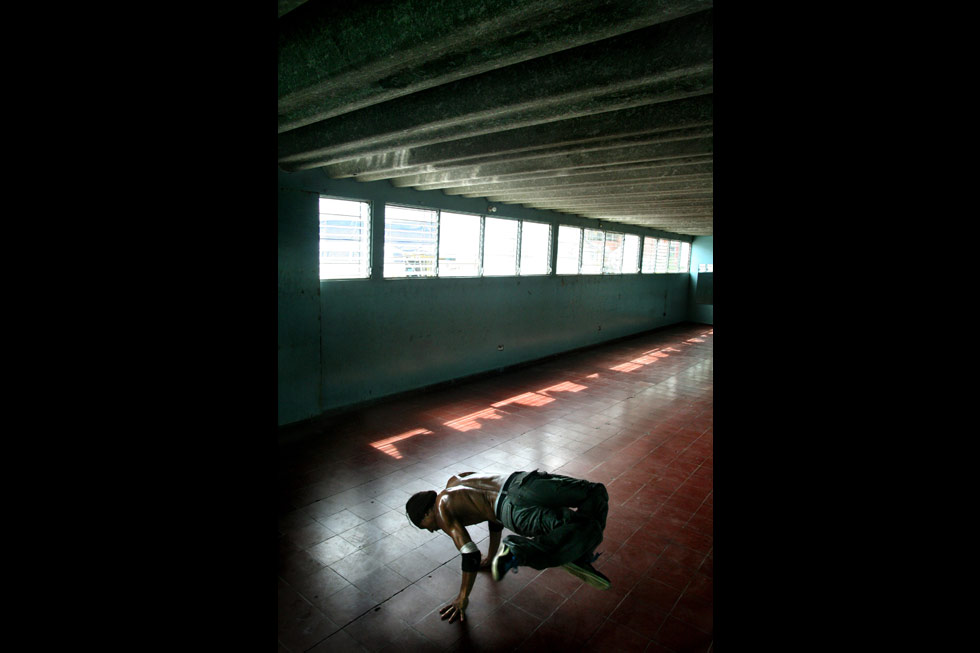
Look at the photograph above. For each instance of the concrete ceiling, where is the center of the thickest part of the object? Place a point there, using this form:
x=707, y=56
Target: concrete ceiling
x=596, y=108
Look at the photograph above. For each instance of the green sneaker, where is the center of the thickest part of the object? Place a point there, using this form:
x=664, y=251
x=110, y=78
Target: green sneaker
x=586, y=572
x=503, y=562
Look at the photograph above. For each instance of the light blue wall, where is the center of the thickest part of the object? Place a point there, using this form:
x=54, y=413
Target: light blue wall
x=299, y=307
x=365, y=339
x=702, y=251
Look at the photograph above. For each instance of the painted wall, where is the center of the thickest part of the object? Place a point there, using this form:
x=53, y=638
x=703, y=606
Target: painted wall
x=365, y=339
x=299, y=373
x=702, y=251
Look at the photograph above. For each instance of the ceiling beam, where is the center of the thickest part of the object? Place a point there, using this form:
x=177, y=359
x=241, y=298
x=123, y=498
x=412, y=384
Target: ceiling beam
x=664, y=119
x=595, y=145
x=656, y=64
x=614, y=173
x=625, y=201
x=500, y=171
x=338, y=56
x=595, y=184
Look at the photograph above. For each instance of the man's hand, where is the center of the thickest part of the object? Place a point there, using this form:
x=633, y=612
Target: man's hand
x=455, y=610
x=486, y=561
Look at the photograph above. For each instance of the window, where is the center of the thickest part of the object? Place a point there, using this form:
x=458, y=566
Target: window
x=459, y=245
x=662, y=255
x=673, y=256
x=410, y=242
x=612, y=258
x=535, y=248
x=499, y=247
x=631, y=254
x=345, y=239
x=569, y=249
x=706, y=267
x=649, y=254
x=428, y=242
x=594, y=251
x=661, y=265
x=592, y=248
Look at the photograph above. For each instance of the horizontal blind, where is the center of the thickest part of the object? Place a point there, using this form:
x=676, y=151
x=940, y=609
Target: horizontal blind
x=410, y=242
x=674, y=256
x=612, y=260
x=592, y=248
x=649, y=254
x=661, y=265
x=345, y=239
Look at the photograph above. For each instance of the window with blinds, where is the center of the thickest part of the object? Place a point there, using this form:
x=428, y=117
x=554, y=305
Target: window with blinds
x=345, y=239
x=428, y=242
x=411, y=241
x=661, y=264
x=673, y=256
x=594, y=251
x=593, y=246
x=612, y=258
x=649, y=255
x=661, y=255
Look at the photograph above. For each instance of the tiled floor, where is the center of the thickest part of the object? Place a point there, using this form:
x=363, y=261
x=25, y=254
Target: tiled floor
x=355, y=575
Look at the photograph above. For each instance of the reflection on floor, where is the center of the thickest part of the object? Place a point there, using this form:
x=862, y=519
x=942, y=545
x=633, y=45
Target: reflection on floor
x=355, y=575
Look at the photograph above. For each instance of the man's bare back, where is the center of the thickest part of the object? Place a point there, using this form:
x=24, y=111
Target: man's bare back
x=469, y=498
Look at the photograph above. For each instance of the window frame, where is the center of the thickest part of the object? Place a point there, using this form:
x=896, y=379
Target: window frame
x=520, y=250
x=641, y=250
x=605, y=245
x=649, y=253
x=674, y=256
x=635, y=267
x=479, y=247
x=384, y=231
x=649, y=248
x=663, y=255
x=658, y=251
x=367, y=241
x=602, y=251
x=578, y=248
x=517, y=246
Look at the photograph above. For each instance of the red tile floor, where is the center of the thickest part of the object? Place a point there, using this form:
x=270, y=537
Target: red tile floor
x=355, y=575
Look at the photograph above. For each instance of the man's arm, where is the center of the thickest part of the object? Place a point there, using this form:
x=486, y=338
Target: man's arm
x=471, y=560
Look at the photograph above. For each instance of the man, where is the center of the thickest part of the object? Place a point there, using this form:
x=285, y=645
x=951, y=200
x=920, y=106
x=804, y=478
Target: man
x=557, y=521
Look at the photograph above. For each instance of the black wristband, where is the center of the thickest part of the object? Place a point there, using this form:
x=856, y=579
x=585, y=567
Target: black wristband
x=471, y=561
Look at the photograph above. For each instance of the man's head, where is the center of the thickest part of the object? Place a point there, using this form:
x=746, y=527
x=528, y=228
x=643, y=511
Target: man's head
x=418, y=507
